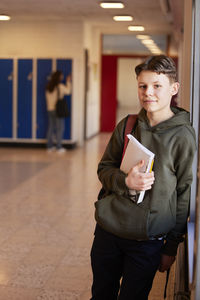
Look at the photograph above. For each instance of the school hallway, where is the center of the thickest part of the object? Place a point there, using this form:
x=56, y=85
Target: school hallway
x=47, y=223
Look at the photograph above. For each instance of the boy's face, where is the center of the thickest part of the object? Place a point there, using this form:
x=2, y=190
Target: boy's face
x=155, y=92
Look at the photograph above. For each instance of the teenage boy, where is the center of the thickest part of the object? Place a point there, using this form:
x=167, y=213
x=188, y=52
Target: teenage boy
x=124, y=268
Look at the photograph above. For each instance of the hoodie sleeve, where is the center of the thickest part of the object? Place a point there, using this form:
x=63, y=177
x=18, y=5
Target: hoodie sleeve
x=183, y=165
x=109, y=173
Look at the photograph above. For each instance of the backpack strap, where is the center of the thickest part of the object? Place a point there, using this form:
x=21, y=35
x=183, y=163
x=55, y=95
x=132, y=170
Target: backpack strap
x=130, y=123
x=129, y=127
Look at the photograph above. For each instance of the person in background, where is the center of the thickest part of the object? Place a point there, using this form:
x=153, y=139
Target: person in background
x=55, y=124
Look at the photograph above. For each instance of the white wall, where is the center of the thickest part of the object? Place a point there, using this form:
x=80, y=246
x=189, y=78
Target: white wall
x=127, y=91
x=49, y=40
x=127, y=95
x=92, y=39
x=44, y=39
x=185, y=57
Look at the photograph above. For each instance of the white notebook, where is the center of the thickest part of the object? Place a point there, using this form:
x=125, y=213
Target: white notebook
x=135, y=152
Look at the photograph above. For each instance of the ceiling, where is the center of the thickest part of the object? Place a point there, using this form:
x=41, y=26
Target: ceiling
x=159, y=17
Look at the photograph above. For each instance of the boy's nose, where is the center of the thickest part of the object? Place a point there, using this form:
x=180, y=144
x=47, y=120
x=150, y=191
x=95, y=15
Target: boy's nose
x=149, y=90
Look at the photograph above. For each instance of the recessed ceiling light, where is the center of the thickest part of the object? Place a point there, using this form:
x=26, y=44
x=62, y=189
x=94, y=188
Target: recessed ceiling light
x=123, y=18
x=142, y=37
x=4, y=17
x=156, y=51
x=136, y=28
x=148, y=42
x=152, y=47
x=112, y=4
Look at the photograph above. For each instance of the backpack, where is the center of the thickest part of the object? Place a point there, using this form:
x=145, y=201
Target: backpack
x=62, y=110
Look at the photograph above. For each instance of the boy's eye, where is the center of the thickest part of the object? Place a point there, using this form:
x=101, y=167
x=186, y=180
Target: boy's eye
x=142, y=87
x=157, y=86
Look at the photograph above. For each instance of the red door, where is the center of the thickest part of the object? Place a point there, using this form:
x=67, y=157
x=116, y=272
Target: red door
x=108, y=93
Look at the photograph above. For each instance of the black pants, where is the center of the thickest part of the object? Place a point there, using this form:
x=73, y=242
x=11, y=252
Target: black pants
x=123, y=269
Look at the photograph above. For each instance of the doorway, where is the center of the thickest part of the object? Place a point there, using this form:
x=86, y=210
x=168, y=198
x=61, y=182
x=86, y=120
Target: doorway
x=118, y=89
x=127, y=99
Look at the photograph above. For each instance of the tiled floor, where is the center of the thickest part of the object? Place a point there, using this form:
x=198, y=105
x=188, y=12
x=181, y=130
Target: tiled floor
x=47, y=223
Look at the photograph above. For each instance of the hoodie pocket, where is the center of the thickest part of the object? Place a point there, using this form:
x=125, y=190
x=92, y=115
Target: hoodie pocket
x=122, y=217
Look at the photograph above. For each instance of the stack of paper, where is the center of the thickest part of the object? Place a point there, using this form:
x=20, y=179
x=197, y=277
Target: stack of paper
x=135, y=152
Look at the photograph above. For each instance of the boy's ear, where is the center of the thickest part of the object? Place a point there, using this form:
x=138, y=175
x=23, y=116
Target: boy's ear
x=175, y=88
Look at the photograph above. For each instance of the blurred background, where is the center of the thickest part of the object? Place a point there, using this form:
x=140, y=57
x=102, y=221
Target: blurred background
x=92, y=42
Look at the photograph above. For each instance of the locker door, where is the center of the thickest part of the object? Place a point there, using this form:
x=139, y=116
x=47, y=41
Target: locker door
x=44, y=69
x=65, y=65
x=24, y=98
x=6, y=92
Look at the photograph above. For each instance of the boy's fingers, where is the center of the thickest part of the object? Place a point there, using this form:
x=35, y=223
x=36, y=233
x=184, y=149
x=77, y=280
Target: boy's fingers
x=141, y=174
x=138, y=166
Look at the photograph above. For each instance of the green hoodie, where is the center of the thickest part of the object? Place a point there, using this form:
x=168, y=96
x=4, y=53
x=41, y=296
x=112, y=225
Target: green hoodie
x=164, y=210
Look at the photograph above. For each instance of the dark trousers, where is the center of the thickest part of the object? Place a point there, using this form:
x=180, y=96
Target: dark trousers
x=123, y=269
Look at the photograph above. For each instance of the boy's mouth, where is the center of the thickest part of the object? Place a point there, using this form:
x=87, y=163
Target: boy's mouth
x=149, y=101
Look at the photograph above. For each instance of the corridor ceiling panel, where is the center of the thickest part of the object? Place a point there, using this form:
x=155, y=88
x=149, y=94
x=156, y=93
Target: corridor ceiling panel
x=154, y=15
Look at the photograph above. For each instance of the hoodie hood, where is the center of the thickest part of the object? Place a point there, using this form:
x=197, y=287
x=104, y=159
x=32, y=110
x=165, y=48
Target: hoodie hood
x=181, y=117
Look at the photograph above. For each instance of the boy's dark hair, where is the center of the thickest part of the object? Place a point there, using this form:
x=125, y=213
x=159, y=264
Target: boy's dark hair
x=159, y=64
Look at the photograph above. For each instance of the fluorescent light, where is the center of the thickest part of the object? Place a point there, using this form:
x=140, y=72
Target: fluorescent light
x=148, y=42
x=151, y=45
x=136, y=28
x=123, y=18
x=112, y=5
x=4, y=18
x=142, y=37
x=156, y=51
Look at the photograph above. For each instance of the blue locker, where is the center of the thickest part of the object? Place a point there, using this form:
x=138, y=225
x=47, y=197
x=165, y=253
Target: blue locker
x=24, y=96
x=6, y=92
x=65, y=65
x=44, y=69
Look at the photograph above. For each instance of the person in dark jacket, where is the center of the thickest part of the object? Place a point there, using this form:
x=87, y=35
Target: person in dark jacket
x=124, y=268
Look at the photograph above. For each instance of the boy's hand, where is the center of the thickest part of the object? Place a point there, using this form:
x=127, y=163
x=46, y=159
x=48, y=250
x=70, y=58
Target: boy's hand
x=166, y=262
x=139, y=181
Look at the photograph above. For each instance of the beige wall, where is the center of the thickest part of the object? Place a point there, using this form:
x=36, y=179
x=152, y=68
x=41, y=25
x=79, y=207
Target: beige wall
x=127, y=89
x=185, y=57
x=92, y=42
x=41, y=39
